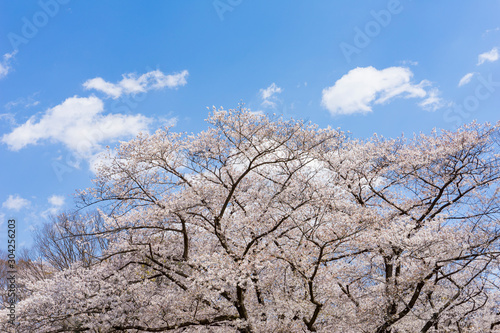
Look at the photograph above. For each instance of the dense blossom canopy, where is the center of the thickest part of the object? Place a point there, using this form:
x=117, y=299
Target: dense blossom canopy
x=267, y=225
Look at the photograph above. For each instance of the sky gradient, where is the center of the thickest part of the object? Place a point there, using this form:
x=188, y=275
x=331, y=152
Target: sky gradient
x=76, y=76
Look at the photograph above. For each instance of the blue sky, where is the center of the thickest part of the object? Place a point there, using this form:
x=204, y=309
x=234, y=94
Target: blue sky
x=76, y=76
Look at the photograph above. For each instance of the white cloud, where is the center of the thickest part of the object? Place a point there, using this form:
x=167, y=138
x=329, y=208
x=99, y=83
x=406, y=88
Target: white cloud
x=4, y=70
x=5, y=64
x=15, y=202
x=268, y=95
x=108, y=88
x=56, y=200
x=131, y=84
x=432, y=102
x=270, y=91
x=356, y=91
x=78, y=123
x=465, y=79
x=490, y=56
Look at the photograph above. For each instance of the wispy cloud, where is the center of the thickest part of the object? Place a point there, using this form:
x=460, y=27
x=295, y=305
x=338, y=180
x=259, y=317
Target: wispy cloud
x=133, y=84
x=25, y=102
x=15, y=202
x=9, y=117
x=409, y=62
x=432, y=101
x=497, y=29
x=5, y=64
x=360, y=88
x=489, y=56
x=268, y=95
x=465, y=79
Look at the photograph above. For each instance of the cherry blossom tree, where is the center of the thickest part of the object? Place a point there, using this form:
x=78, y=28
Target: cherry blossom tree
x=272, y=225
